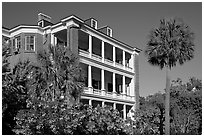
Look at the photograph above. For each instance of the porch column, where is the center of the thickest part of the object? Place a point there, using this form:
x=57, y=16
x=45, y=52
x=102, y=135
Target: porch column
x=131, y=61
x=114, y=55
x=136, y=78
x=102, y=81
x=90, y=102
x=124, y=111
x=90, y=46
x=123, y=58
x=52, y=39
x=103, y=52
x=124, y=92
x=114, y=91
x=114, y=105
x=55, y=40
x=103, y=103
x=89, y=79
x=68, y=37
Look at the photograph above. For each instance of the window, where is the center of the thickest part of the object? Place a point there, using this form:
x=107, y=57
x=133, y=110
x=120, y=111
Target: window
x=109, y=32
x=16, y=43
x=94, y=24
x=30, y=43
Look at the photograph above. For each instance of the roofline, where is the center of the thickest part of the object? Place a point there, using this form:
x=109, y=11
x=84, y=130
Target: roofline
x=116, y=40
x=44, y=15
x=81, y=21
x=72, y=16
x=5, y=28
x=90, y=18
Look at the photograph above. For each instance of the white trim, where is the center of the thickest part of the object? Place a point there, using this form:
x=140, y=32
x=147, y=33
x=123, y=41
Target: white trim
x=44, y=15
x=87, y=62
x=107, y=100
x=105, y=39
x=42, y=23
x=111, y=31
x=96, y=23
x=72, y=16
x=29, y=43
x=26, y=27
x=26, y=30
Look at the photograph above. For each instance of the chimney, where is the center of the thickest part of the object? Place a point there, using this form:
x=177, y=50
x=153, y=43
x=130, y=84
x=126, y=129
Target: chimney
x=44, y=20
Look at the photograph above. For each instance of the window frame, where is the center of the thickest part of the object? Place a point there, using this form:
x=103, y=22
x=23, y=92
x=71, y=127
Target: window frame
x=16, y=40
x=109, y=29
x=29, y=36
x=93, y=20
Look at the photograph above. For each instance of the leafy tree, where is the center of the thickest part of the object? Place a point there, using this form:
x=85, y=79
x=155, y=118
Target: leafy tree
x=186, y=107
x=14, y=89
x=56, y=75
x=58, y=118
x=169, y=44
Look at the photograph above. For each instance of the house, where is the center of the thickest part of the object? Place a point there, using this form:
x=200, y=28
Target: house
x=110, y=66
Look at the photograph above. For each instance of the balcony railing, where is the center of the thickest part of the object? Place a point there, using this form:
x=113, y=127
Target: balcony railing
x=108, y=94
x=107, y=61
x=83, y=52
x=97, y=57
x=118, y=64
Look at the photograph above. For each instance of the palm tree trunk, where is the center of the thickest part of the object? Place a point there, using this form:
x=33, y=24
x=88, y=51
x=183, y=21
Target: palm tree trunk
x=167, y=103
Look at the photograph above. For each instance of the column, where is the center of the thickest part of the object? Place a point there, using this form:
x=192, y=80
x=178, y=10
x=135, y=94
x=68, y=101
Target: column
x=102, y=81
x=114, y=105
x=103, y=52
x=124, y=92
x=113, y=55
x=136, y=78
x=131, y=61
x=103, y=103
x=55, y=40
x=90, y=46
x=89, y=79
x=52, y=39
x=114, y=91
x=123, y=58
x=68, y=37
x=90, y=102
x=132, y=89
x=124, y=111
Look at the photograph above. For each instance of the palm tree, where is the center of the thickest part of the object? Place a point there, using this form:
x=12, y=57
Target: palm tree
x=57, y=76
x=169, y=45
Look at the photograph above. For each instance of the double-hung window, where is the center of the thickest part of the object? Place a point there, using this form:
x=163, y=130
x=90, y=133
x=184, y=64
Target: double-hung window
x=30, y=43
x=16, y=43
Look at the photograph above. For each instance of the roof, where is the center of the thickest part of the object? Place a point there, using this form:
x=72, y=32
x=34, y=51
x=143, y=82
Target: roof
x=80, y=20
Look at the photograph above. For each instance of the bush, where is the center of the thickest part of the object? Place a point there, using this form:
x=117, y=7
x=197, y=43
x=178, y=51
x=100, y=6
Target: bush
x=57, y=118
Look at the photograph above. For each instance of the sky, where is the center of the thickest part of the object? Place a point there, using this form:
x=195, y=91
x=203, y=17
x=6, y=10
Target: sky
x=131, y=23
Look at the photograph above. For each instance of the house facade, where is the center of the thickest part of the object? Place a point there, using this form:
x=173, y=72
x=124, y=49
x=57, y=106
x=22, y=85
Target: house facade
x=111, y=67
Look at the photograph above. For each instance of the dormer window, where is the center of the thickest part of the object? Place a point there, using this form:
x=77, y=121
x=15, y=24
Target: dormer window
x=109, y=32
x=41, y=24
x=93, y=23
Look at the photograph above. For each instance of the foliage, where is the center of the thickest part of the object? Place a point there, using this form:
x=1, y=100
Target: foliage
x=14, y=90
x=186, y=107
x=56, y=75
x=57, y=118
x=169, y=44
x=172, y=42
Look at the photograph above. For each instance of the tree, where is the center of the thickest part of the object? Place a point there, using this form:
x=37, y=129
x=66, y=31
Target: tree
x=169, y=44
x=186, y=107
x=14, y=89
x=56, y=75
x=60, y=119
